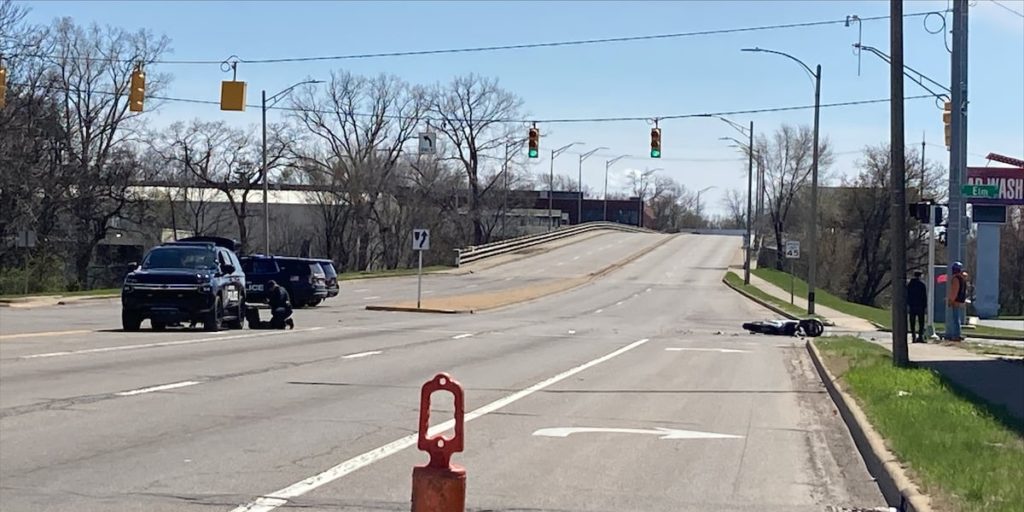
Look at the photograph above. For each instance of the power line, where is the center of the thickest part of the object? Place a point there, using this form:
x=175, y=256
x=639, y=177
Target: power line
x=766, y=110
x=1000, y=4
x=478, y=49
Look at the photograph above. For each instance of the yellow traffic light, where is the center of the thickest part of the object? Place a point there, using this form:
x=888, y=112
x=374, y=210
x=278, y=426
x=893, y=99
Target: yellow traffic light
x=655, y=142
x=232, y=96
x=3, y=86
x=534, y=150
x=137, y=91
x=947, y=119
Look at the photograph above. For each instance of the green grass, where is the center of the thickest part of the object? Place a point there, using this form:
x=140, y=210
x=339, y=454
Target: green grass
x=877, y=315
x=80, y=293
x=957, y=450
x=369, y=274
x=737, y=281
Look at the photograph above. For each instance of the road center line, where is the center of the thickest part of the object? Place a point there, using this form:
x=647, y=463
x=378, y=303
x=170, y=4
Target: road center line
x=462, y=336
x=164, y=387
x=163, y=344
x=362, y=354
x=271, y=501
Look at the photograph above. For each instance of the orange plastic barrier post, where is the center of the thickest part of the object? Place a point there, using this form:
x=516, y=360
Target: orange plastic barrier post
x=440, y=486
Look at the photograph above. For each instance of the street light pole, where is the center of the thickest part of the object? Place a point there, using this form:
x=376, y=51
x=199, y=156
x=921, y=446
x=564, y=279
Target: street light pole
x=750, y=193
x=607, y=165
x=551, y=183
x=579, y=205
x=263, y=155
x=699, y=192
x=812, y=253
x=641, y=193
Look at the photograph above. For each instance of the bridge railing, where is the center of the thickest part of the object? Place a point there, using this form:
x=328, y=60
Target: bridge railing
x=479, y=252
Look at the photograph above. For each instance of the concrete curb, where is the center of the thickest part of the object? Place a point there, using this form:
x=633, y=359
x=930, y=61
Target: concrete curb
x=966, y=334
x=758, y=300
x=404, y=309
x=896, y=487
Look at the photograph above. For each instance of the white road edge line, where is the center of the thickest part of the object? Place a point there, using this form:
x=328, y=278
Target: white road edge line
x=362, y=354
x=162, y=344
x=269, y=502
x=164, y=387
x=462, y=336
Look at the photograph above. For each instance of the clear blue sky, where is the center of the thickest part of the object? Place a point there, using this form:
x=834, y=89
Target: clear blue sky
x=649, y=78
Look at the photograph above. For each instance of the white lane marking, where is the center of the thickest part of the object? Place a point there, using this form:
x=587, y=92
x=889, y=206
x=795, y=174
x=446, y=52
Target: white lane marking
x=361, y=290
x=572, y=331
x=462, y=336
x=38, y=334
x=619, y=303
x=474, y=285
x=428, y=292
x=273, y=500
x=722, y=350
x=163, y=344
x=598, y=311
x=647, y=290
x=575, y=258
x=362, y=354
x=560, y=263
x=164, y=387
x=372, y=297
x=664, y=433
x=509, y=278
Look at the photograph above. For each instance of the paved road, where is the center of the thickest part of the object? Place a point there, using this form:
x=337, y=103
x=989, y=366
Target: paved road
x=249, y=416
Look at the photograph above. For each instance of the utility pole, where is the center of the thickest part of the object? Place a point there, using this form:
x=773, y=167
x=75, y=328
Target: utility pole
x=266, y=179
x=957, y=228
x=898, y=233
x=812, y=254
x=750, y=186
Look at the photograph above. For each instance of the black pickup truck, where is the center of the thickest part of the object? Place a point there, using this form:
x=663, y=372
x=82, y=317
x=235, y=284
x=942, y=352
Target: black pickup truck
x=196, y=280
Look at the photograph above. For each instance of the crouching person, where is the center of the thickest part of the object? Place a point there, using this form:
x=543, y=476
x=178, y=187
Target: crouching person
x=280, y=307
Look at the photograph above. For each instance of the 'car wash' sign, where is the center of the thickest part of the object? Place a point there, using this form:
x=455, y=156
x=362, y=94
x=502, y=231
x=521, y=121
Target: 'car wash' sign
x=1010, y=181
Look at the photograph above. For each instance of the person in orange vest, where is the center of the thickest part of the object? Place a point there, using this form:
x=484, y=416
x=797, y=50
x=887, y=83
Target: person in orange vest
x=956, y=299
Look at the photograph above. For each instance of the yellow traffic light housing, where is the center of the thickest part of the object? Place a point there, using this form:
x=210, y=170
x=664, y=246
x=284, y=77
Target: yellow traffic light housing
x=534, y=146
x=655, y=142
x=137, y=90
x=232, y=96
x=947, y=119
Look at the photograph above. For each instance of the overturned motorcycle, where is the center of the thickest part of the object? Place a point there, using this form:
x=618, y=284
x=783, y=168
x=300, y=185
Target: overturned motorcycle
x=810, y=327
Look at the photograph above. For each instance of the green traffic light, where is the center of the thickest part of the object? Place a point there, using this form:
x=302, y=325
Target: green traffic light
x=655, y=153
x=534, y=153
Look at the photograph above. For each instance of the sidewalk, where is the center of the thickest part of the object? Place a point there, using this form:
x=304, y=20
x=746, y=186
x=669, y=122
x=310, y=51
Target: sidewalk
x=997, y=381
x=842, y=321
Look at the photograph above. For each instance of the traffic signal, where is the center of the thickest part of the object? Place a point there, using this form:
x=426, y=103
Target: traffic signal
x=3, y=86
x=947, y=119
x=137, y=90
x=655, y=142
x=534, y=148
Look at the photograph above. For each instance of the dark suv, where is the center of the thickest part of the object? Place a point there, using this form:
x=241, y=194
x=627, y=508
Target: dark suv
x=303, y=278
x=330, y=276
x=197, y=279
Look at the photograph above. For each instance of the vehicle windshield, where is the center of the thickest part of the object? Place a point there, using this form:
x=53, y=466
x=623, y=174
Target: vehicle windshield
x=181, y=257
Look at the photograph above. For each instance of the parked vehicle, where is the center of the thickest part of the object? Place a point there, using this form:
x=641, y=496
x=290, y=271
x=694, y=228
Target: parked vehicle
x=195, y=280
x=331, y=277
x=303, y=278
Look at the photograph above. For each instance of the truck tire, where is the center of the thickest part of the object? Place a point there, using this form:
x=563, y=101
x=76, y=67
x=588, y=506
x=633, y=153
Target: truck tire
x=239, y=321
x=130, y=322
x=158, y=326
x=212, y=321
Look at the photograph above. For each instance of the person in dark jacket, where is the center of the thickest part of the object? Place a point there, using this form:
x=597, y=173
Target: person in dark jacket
x=917, y=305
x=280, y=306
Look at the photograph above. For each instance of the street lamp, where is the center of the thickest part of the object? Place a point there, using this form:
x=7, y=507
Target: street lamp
x=812, y=254
x=607, y=165
x=266, y=187
x=699, y=192
x=750, y=185
x=551, y=183
x=579, y=204
x=643, y=189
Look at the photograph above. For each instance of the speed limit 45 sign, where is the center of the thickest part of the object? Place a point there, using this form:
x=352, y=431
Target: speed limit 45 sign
x=793, y=249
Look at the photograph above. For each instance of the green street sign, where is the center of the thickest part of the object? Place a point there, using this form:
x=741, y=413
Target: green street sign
x=980, y=191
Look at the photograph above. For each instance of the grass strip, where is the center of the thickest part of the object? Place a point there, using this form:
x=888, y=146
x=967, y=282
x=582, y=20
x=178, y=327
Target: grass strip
x=737, y=281
x=398, y=272
x=957, y=450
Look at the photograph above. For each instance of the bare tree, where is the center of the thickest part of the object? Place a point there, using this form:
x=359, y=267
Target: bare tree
x=786, y=161
x=358, y=129
x=472, y=114
x=736, y=210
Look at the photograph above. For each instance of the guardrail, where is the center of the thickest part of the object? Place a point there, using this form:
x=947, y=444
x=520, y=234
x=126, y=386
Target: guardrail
x=479, y=252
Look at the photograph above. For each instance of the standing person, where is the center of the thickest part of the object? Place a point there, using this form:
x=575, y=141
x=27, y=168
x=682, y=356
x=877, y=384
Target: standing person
x=956, y=299
x=280, y=306
x=917, y=305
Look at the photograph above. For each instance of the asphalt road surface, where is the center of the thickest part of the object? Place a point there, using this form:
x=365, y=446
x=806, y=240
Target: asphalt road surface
x=674, y=409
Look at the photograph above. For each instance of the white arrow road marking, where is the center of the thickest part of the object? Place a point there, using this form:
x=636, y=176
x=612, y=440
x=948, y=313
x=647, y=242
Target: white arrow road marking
x=362, y=354
x=271, y=501
x=665, y=433
x=722, y=350
x=164, y=387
